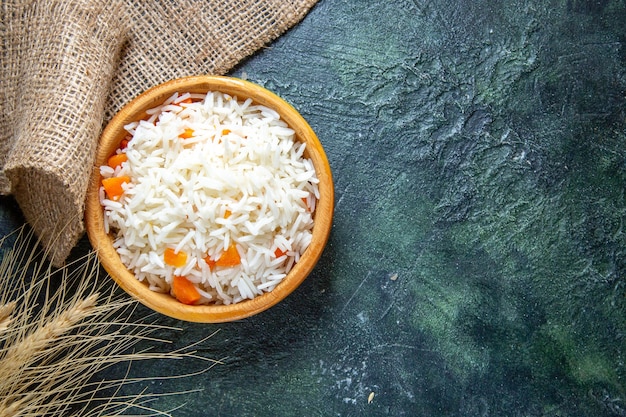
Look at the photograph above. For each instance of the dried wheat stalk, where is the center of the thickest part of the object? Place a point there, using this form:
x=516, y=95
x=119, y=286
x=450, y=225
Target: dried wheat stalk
x=60, y=327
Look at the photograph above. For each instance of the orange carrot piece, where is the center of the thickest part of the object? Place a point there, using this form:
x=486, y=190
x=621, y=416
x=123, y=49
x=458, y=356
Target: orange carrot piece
x=184, y=290
x=306, y=203
x=113, y=186
x=210, y=262
x=230, y=257
x=279, y=252
x=124, y=142
x=225, y=132
x=174, y=259
x=188, y=133
x=188, y=100
x=117, y=159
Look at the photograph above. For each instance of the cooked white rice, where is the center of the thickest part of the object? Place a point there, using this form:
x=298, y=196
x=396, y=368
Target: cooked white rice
x=242, y=160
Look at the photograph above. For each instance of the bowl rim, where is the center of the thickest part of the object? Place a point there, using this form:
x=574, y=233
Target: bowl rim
x=101, y=242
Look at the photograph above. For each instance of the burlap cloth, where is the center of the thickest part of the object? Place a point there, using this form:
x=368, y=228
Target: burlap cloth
x=69, y=65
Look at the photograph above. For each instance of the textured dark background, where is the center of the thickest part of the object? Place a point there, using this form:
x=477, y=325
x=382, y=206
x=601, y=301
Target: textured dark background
x=476, y=263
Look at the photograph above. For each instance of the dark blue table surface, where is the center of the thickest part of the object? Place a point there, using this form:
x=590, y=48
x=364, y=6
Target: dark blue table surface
x=476, y=264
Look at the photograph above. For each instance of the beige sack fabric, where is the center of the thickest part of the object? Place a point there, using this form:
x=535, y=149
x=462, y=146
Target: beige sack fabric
x=69, y=65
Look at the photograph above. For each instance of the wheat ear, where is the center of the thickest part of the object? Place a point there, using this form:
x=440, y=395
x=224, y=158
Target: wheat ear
x=24, y=352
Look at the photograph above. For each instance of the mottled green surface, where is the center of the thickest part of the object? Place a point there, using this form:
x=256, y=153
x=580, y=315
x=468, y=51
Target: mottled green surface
x=476, y=264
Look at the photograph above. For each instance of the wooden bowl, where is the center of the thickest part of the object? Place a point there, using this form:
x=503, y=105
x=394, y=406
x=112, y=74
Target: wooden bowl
x=164, y=303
